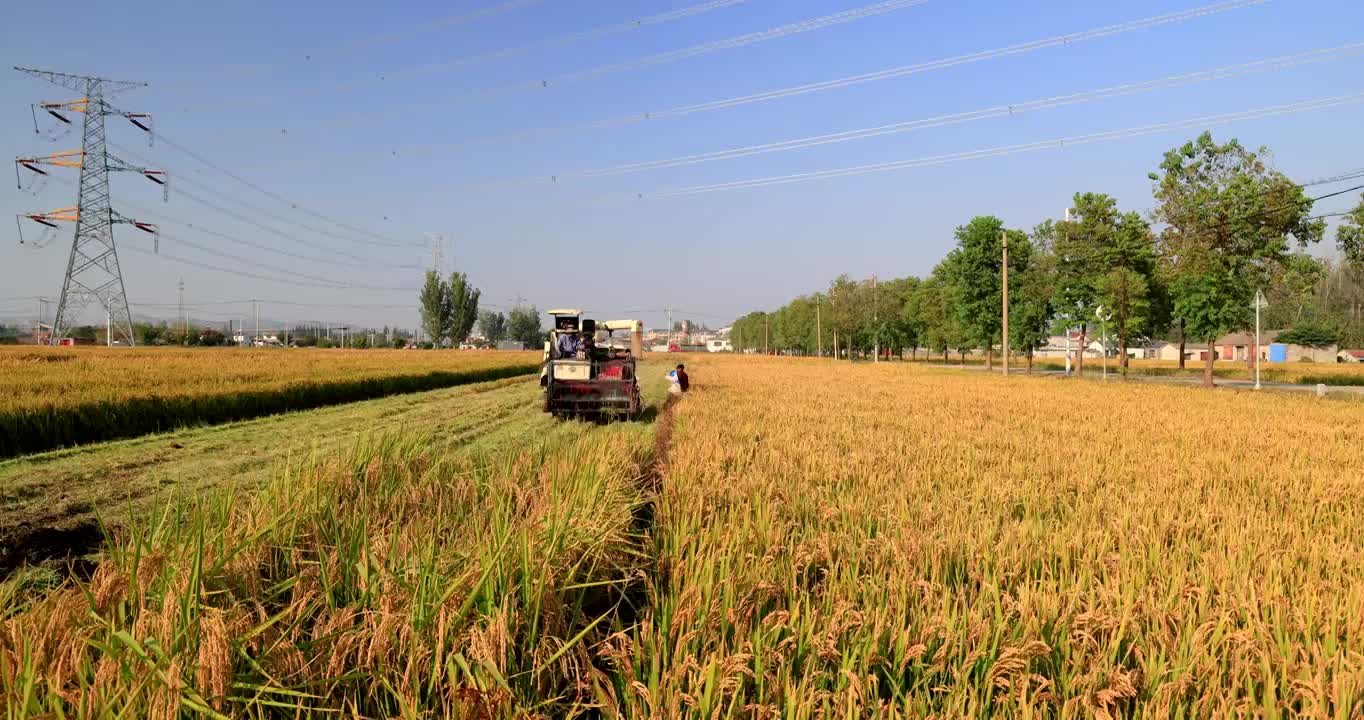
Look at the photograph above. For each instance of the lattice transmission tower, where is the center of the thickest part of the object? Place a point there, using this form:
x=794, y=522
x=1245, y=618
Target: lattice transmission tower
x=93, y=274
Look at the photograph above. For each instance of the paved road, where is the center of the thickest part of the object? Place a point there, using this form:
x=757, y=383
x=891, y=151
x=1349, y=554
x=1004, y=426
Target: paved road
x=1195, y=381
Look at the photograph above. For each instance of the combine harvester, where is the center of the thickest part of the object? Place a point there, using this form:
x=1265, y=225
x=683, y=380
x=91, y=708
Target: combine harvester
x=588, y=369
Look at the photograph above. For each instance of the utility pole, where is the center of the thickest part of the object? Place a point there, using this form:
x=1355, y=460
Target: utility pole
x=93, y=273
x=1005, y=310
x=255, y=308
x=669, y=310
x=42, y=303
x=875, y=318
x=109, y=322
x=819, y=328
x=1259, y=303
x=184, y=317
x=766, y=323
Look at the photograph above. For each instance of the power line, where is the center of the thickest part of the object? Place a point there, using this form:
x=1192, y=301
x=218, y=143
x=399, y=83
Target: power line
x=1008, y=110
x=1173, y=81
x=897, y=72
x=266, y=278
x=355, y=260
x=267, y=301
x=544, y=44
x=439, y=23
x=1271, y=111
x=1352, y=175
x=964, y=59
x=185, y=178
x=278, y=251
x=803, y=26
x=377, y=238
x=248, y=261
x=378, y=39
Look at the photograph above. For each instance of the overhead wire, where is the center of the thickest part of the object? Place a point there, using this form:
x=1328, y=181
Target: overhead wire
x=258, y=276
x=997, y=111
x=1107, y=136
x=1008, y=110
x=247, y=261
x=375, y=237
x=378, y=39
x=905, y=70
x=897, y=72
x=543, y=44
x=186, y=178
x=803, y=26
x=355, y=261
x=269, y=301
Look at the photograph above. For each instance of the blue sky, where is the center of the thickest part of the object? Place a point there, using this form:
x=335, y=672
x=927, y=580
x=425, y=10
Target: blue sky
x=289, y=96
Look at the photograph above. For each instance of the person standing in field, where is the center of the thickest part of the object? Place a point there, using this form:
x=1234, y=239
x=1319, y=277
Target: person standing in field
x=678, y=382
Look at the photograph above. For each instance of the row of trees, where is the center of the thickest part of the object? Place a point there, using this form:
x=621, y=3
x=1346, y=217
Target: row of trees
x=1225, y=225
x=521, y=324
x=449, y=310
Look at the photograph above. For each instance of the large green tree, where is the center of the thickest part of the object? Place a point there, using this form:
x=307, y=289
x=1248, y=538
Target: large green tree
x=463, y=303
x=1031, y=295
x=845, y=313
x=1228, y=218
x=793, y=326
x=1293, y=290
x=1105, y=258
x=1350, y=235
x=930, y=310
x=434, y=304
x=973, y=270
x=524, y=324
x=493, y=325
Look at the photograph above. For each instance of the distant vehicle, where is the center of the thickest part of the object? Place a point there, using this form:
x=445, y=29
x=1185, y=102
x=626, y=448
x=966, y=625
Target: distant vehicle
x=589, y=367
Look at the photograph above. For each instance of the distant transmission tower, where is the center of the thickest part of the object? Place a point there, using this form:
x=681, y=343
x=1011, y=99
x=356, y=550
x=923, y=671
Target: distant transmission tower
x=92, y=272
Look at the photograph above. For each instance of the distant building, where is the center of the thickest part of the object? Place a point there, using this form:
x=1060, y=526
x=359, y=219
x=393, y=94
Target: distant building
x=719, y=346
x=1161, y=350
x=1057, y=347
x=510, y=345
x=1242, y=347
x=1350, y=356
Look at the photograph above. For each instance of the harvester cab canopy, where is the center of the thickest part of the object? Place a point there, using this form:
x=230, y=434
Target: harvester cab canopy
x=567, y=320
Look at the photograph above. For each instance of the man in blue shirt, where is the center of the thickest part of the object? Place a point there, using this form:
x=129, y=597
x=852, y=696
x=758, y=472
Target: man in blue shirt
x=568, y=345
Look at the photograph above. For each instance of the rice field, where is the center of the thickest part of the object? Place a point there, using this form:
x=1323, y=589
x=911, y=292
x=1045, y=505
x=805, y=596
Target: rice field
x=1304, y=373
x=793, y=539
x=886, y=541
x=36, y=376
x=58, y=397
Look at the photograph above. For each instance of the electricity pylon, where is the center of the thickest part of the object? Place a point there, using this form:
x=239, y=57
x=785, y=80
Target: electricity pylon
x=92, y=272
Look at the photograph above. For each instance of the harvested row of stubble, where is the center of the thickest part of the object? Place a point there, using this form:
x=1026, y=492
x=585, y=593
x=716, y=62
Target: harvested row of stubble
x=401, y=581
x=863, y=541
